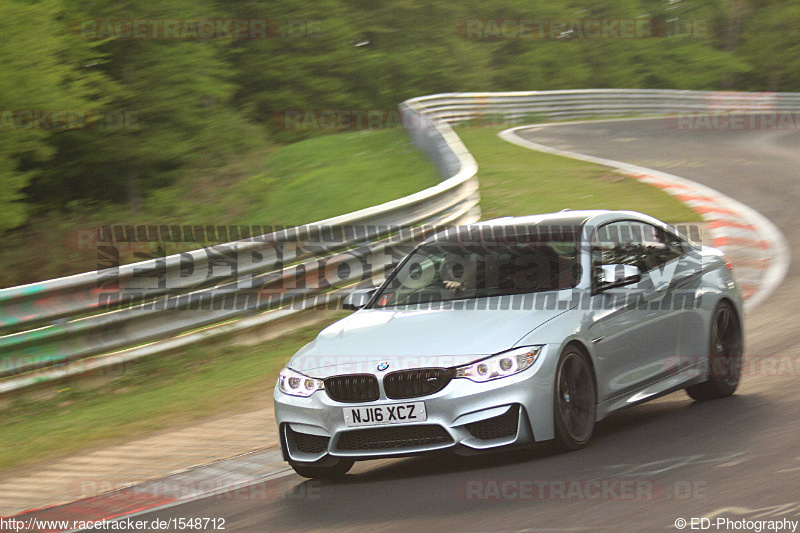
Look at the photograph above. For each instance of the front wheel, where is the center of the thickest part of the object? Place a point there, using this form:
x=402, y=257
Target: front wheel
x=337, y=470
x=725, y=356
x=575, y=405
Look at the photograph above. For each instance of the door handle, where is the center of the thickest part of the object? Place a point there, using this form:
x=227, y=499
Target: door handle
x=674, y=283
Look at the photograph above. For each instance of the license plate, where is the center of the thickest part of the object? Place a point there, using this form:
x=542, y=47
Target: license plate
x=375, y=415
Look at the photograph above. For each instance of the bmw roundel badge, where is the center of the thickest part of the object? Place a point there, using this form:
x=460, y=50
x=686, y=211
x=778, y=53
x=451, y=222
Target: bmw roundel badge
x=383, y=366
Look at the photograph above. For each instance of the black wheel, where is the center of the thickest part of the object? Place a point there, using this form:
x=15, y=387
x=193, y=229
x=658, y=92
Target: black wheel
x=575, y=404
x=337, y=470
x=725, y=356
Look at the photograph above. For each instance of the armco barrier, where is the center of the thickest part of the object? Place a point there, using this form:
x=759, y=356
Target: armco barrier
x=57, y=321
x=54, y=322
x=585, y=103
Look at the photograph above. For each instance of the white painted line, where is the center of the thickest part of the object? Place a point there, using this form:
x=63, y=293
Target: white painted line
x=767, y=231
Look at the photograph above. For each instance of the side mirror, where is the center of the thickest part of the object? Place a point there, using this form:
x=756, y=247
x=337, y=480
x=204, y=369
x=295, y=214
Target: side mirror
x=611, y=276
x=357, y=299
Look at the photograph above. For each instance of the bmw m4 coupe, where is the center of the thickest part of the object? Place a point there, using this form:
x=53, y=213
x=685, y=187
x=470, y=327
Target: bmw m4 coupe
x=511, y=332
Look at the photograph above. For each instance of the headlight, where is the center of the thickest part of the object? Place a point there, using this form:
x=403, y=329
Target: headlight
x=297, y=384
x=500, y=365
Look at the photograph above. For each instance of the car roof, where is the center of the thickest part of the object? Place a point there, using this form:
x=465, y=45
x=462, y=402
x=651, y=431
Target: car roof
x=563, y=225
x=565, y=217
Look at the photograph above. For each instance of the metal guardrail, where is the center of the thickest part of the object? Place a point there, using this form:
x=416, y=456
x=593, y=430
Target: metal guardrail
x=584, y=103
x=51, y=323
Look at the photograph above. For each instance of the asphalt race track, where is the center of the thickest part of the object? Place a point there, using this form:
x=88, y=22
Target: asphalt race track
x=648, y=466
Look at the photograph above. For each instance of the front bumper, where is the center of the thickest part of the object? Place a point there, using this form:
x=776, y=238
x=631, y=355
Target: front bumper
x=465, y=416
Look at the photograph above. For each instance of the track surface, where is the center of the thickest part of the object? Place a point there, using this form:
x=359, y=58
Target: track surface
x=735, y=458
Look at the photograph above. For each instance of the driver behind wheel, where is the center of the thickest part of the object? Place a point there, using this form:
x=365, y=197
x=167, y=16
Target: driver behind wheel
x=459, y=276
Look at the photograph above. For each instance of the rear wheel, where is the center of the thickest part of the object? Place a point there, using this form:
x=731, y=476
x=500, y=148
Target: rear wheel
x=725, y=356
x=574, y=405
x=337, y=470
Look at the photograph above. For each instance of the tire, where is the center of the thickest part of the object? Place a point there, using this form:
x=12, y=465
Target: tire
x=726, y=347
x=335, y=471
x=575, y=400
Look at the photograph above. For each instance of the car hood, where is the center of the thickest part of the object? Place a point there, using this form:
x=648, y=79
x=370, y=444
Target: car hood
x=415, y=338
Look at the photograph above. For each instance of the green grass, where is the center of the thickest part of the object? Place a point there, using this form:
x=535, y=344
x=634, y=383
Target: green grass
x=517, y=181
x=311, y=176
x=338, y=174
x=153, y=394
x=299, y=183
x=312, y=180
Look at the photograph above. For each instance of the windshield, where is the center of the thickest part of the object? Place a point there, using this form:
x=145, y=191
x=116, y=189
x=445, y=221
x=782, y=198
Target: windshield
x=444, y=271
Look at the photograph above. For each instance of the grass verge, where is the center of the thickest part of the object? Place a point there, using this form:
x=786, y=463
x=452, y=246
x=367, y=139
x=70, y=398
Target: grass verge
x=295, y=184
x=216, y=378
x=145, y=397
x=517, y=181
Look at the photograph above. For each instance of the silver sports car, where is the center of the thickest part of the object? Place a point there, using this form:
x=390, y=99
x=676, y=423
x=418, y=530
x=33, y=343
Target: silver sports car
x=510, y=332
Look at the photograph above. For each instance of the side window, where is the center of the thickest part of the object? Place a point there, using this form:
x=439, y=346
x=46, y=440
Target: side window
x=623, y=242
x=663, y=245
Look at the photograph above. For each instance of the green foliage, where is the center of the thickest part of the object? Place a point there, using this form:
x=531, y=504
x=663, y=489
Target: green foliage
x=771, y=44
x=289, y=185
x=35, y=74
x=182, y=107
x=174, y=103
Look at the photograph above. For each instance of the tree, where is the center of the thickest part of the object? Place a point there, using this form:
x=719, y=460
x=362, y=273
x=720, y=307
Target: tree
x=169, y=110
x=771, y=44
x=36, y=76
